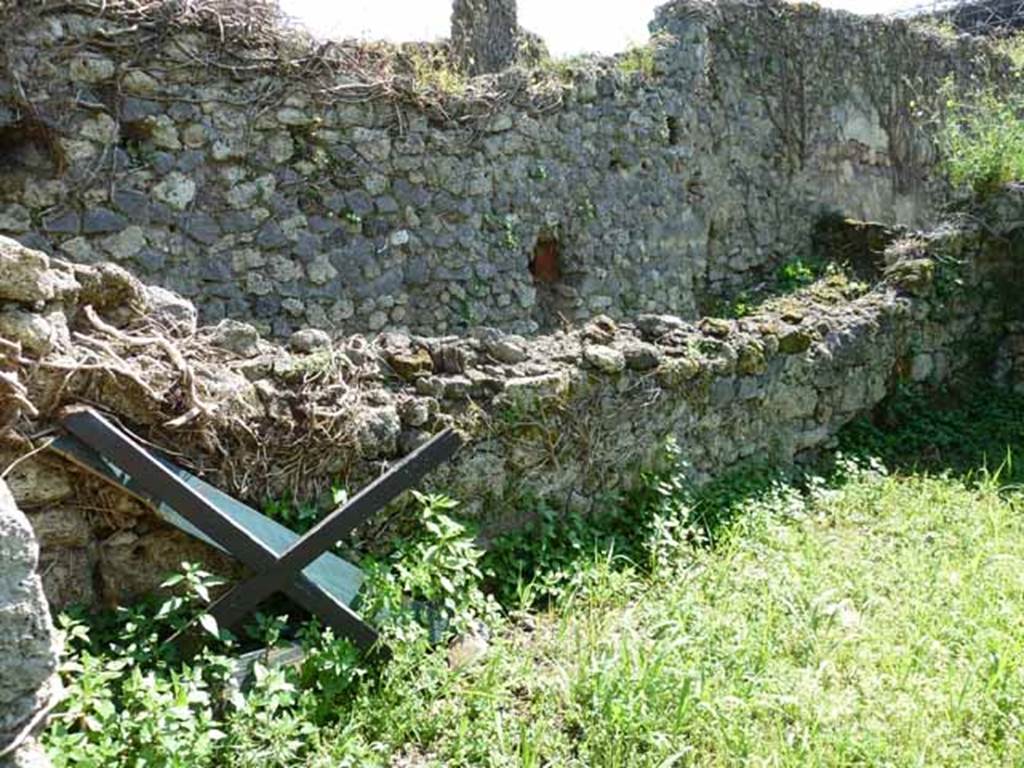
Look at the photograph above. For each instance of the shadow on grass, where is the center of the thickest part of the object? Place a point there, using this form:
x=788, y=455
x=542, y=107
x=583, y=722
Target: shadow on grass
x=973, y=428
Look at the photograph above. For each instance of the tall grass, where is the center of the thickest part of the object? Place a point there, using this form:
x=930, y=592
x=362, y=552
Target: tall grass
x=872, y=617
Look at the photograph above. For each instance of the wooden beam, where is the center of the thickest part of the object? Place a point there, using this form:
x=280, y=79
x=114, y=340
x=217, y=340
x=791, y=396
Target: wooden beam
x=241, y=599
x=156, y=480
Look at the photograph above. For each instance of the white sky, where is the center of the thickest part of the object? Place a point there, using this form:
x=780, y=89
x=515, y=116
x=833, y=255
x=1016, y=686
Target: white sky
x=567, y=26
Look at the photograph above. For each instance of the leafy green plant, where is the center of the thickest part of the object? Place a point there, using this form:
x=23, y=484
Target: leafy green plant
x=431, y=584
x=549, y=557
x=539, y=172
x=741, y=306
x=330, y=674
x=508, y=226
x=795, y=273
x=981, y=139
x=940, y=28
x=587, y=209
x=296, y=515
x=1012, y=46
x=130, y=698
x=639, y=60
x=978, y=426
x=300, y=516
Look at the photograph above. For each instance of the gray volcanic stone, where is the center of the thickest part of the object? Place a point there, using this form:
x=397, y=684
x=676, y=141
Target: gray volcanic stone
x=25, y=275
x=15, y=218
x=134, y=205
x=641, y=357
x=605, y=359
x=171, y=310
x=63, y=223
x=309, y=340
x=655, y=326
x=29, y=648
x=134, y=110
x=507, y=349
x=201, y=227
x=99, y=220
x=36, y=333
x=240, y=338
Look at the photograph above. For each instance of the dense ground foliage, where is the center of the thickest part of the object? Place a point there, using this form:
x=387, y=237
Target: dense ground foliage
x=869, y=614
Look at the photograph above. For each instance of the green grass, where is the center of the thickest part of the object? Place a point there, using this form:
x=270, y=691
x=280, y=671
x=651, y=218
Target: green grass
x=874, y=617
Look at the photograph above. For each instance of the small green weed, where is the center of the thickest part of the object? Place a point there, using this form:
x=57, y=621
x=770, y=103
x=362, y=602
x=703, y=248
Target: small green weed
x=639, y=59
x=432, y=581
x=940, y=28
x=300, y=516
x=795, y=274
x=1012, y=46
x=433, y=72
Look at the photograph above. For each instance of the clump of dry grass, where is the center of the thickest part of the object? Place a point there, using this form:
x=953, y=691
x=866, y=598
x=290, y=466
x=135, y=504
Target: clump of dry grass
x=257, y=38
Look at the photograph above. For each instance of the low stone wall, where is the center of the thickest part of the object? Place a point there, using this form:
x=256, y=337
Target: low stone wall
x=563, y=419
x=342, y=188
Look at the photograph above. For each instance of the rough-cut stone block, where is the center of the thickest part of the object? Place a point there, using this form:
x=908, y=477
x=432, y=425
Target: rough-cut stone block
x=25, y=274
x=28, y=643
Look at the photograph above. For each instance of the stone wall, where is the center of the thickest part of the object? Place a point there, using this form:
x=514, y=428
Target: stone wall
x=563, y=419
x=485, y=35
x=338, y=188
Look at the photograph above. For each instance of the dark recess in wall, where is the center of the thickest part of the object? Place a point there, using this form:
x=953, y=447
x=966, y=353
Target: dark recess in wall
x=23, y=149
x=672, y=124
x=545, y=266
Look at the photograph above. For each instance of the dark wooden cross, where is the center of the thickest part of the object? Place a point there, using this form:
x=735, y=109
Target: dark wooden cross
x=281, y=561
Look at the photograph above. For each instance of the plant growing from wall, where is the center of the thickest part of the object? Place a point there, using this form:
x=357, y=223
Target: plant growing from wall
x=981, y=140
x=433, y=72
x=781, y=80
x=638, y=60
x=794, y=274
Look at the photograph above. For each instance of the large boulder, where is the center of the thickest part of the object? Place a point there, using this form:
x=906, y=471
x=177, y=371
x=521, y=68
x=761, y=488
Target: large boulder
x=29, y=648
x=26, y=275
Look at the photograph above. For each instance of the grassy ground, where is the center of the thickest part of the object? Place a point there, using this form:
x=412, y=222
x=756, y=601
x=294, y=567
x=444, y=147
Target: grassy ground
x=878, y=623
x=875, y=618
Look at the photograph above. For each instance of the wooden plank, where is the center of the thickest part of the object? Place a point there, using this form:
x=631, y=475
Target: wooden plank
x=339, y=577
x=152, y=478
x=241, y=599
x=333, y=573
x=84, y=457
